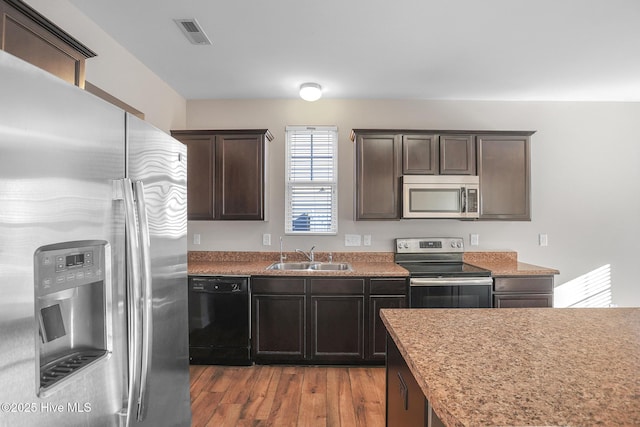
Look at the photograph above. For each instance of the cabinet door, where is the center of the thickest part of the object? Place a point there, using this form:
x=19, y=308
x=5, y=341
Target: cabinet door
x=503, y=167
x=523, y=284
x=457, y=155
x=377, y=176
x=377, y=331
x=420, y=154
x=337, y=324
x=278, y=327
x=239, y=177
x=26, y=34
x=200, y=171
x=406, y=404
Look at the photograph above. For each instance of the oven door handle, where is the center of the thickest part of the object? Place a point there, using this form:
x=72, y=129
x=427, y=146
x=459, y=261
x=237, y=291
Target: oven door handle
x=451, y=281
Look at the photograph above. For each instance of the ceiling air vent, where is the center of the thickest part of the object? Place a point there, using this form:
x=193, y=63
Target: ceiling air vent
x=193, y=31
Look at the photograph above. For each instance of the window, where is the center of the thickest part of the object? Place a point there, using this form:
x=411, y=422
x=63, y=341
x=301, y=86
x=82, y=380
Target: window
x=311, y=180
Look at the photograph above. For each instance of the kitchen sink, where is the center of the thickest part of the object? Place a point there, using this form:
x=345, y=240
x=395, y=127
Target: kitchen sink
x=289, y=266
x=310, y=266
x=331, y=266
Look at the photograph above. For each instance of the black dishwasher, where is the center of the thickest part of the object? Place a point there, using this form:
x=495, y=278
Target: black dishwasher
x=219, y=320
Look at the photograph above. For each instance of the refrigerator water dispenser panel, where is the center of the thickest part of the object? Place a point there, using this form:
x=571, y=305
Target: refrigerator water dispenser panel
x=72, y=305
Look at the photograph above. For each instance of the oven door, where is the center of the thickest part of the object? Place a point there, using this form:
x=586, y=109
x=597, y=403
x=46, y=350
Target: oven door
x=449, y=292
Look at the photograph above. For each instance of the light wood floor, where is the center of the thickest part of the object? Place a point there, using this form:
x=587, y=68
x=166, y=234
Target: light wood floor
x=287, y=396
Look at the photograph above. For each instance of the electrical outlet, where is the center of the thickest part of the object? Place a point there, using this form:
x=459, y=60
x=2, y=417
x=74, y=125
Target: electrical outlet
x=474, y=239
x=352, y=240
x=543, y=240
x=196, y=239
x=367, y=240
x=266, y=240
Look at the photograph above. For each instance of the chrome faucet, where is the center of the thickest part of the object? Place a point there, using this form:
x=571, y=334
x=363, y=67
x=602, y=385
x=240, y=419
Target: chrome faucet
x=309, y=255
x=282, y=257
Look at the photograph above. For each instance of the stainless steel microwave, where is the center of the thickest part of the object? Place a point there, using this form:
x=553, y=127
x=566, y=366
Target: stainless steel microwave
x=440, y=196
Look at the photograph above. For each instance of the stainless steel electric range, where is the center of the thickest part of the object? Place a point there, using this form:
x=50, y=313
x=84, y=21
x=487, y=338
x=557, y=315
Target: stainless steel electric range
x=439, y=278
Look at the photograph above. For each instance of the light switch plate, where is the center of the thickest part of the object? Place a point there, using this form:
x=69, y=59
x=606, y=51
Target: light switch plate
x=543, y=240
x=196, y=239
x=352, y=240
x=367, y=240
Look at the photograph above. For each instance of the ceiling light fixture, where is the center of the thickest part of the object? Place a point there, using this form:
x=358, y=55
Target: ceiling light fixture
x=310, y=91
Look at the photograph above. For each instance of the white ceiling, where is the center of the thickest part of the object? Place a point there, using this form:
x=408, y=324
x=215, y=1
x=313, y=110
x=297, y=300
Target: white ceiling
x=585, y=50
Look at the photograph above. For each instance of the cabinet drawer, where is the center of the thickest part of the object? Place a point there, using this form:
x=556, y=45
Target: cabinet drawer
x=537, y=284
x=388, y=287
x=280, y=285
x=522, y=300
x=337, y=286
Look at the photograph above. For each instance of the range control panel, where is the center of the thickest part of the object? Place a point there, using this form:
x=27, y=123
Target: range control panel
x=429, y=245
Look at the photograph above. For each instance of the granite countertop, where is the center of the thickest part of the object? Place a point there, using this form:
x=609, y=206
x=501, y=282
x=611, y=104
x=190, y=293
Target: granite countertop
x=381, y=264
x=375, y=264
x=505, y=263
x=539, y=366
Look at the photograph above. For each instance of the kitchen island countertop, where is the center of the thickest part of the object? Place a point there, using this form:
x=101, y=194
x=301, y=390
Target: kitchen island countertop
x=540, y=366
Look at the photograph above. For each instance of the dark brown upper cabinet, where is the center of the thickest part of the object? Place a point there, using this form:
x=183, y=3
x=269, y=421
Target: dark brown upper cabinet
x=226, y=173
x=504, y=170
x=30, y=36
x=500, y=158
x=457, y=155
x=432, y=154
x=420, y=155
x=378, y=171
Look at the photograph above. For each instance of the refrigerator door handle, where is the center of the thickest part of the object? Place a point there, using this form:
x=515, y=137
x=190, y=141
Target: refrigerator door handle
x=133, y=299
x=147, y=299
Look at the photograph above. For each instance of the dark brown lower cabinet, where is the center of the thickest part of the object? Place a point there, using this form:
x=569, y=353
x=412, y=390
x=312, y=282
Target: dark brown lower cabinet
x=322, y=320
x=337, y=327
x=522, y=301
x=278, y=319
x=383, y=293
x=377, y=335
x=523, y=291
x=406, y=403
x=280, y=326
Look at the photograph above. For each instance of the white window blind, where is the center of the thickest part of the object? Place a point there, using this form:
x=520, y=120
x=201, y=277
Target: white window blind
x=311, y=180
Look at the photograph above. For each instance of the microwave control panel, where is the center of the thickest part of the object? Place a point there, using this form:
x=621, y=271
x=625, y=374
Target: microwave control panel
x=472, y=200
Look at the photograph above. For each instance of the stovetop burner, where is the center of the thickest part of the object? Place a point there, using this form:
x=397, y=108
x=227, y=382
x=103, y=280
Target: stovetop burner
x=443, y=269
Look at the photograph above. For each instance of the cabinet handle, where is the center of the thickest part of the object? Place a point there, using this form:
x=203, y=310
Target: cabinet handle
x=404, y=392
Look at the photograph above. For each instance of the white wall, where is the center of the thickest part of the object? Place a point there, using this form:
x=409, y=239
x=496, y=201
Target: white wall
x=585, y=172
x=115, y=70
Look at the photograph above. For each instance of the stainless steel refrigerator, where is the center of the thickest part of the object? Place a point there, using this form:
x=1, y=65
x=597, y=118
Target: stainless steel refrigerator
x=93, y=260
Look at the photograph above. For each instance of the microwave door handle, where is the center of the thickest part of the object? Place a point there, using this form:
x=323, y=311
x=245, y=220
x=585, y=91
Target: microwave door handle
x=463, y=200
